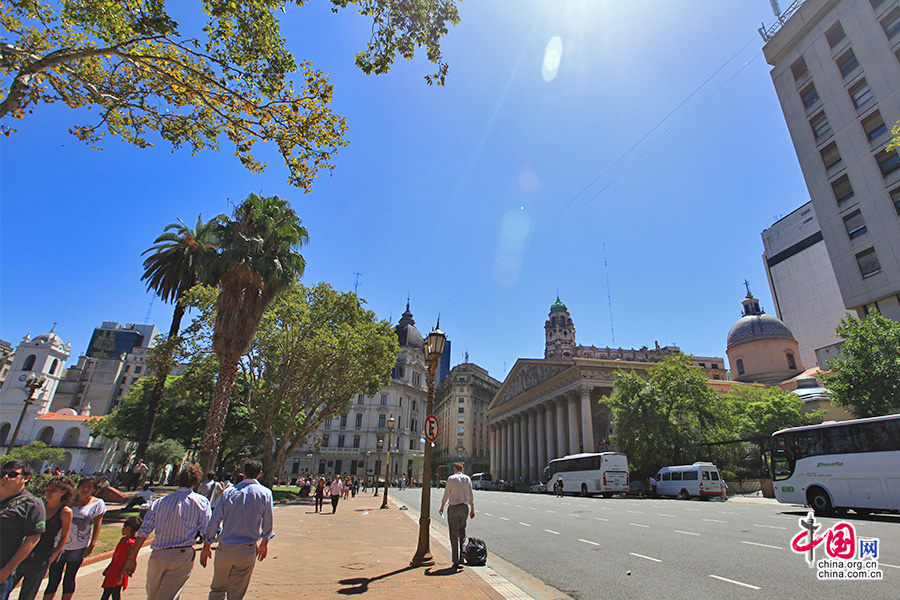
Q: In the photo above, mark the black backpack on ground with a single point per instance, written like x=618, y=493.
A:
x=475, y=552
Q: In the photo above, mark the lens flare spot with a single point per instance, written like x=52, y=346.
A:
x=552, y=57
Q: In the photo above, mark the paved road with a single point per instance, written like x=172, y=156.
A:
x=673, y=549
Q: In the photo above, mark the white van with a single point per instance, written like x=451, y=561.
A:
x=699, y=480
x=482, y=481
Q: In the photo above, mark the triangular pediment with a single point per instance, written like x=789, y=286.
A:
x=527, y=374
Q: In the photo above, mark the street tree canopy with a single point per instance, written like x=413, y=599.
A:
x=866, y=380
x=146, y=76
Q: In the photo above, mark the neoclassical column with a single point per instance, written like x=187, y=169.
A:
x=492, y=433
x=587, y=426
x=533, y=466
x=573, y=426
x=504, y=449
x=514, y=449
x=560, y=427
x=541, y=439
x=550, y=423
x=523, y=446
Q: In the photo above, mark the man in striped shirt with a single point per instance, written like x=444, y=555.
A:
x=176, y=519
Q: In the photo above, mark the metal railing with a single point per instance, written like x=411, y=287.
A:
x=768, y=34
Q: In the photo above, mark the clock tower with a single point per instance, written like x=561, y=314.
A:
x=559, y=332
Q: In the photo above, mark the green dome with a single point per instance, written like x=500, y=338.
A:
x=558, y=306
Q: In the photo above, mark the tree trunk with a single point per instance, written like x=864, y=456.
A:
x=218, y=410
x=160, y=386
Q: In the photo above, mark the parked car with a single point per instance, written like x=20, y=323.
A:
x=637, y=488
x=538, y=488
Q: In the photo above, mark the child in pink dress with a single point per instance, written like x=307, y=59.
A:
x=115, y=579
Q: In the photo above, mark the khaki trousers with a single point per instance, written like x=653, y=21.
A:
x=168, y=570
x=457, y=515
x=232, y=570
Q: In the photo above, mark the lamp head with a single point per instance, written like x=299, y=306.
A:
x=390, y=423
x=434, y=344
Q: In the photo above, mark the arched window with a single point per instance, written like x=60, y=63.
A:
x=740, y=366
x=4, y=433
x=54, y=365
x=47, y=435
x=792, y=364
x=29, y=362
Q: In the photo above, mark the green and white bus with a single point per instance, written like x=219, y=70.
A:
x=839, y=465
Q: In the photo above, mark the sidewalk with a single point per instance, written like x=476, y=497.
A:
x=358, y=550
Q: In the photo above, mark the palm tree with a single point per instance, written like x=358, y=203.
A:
x=173, y=268
x=257, y=259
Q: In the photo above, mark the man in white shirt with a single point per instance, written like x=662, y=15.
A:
x=459, y=496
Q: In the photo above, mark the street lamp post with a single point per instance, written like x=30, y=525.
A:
x=378, y=470
x=309, y=466
x=434, y=347
x=32, y=384
x=387, y=466
x=366, y=470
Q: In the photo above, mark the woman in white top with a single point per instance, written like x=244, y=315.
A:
x=87, y=514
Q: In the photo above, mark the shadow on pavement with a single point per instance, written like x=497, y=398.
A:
x=451, y=570
x=361, y=584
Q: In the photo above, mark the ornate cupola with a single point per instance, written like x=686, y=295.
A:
x=559, y=332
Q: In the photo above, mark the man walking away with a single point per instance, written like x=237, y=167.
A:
x=245, y=516
x=176, y=518
x=458, y=494
x=22, y=521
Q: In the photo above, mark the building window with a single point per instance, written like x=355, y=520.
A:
x=359, y=420
x=340, y=441
x=835, y=34
x=462, y=409
x=459, y=431
x=792, y=363
x=891, y=23
x=895, y=198
x=860, y=93
x=325, y=441
x=53, y=366
x=821, y=128
x=137, y=370
x=842, y=189
x=360, y=399
x=461, y=420
x=412, y=425
x=855, y=224
x=740, y=366
x=29, y=362
x=798, y=69
x=461, y=400
x=874, y=126
x=868, y=263
x=888, y=162
x=830, y=155
x=381, y=420
x=328, y=422
x=384, y=399
x=343, y=420
x=847, y=63
x=356, y=441
x=127, y=367
x=809, y=95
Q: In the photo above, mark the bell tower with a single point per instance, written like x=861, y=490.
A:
x=559, y=332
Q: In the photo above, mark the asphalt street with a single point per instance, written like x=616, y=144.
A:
x=597, y=548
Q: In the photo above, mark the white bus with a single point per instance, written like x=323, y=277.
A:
x=839, y=465
x=587, y=474
x=482, y=481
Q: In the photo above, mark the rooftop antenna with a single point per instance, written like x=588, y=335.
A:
x=356, y=283
x=149, y=308
x=612, y=329
x=775, y=9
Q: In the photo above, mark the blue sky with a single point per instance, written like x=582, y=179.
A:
x=653, y=155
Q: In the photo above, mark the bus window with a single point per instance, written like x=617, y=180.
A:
x=667, y=476
x=838, y=440
x=807, y=443
x=705, y=475
x=676, y=476
x=782, y=467
x=715, y=476
x=692, y=475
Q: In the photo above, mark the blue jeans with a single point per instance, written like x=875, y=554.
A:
x=7, y=586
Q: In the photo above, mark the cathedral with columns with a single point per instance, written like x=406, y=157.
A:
x=549, y=407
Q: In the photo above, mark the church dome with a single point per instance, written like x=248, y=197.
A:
x=558, y=306
x=47, y=338
x=407, y=334
x=752, y=328
x=756, y=325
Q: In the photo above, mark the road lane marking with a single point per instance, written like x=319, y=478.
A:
x=887, y=565
x=532, y=508
x=487, y=514
x=770, y=526
x=588, y=542
x=639, y=525
x=525, y=524
x=746, y=585
x=551, y=511
x=639, y=512
x=725, y=512
x=551, y=531
x=685, y=532
x=763, y=545
x=665, y=515
x=714, y=521
x=601, y=519
x=645, y=557
x=517, y=506
x=693, y=509
x=573, y=515
x=604, y=508
x=504, y=519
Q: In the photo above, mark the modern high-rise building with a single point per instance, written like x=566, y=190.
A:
x=802, y=282
x=836, y=70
